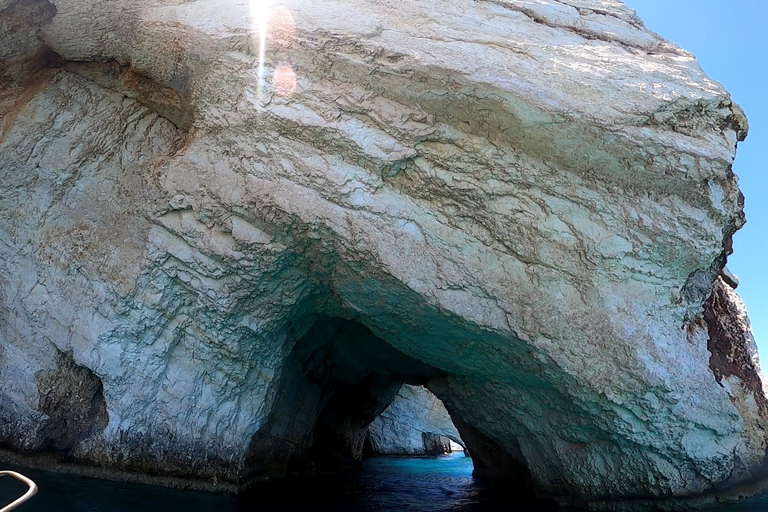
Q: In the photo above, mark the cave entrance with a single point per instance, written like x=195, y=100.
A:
x=338, y=380
x=415, y=423
x=358, y=375
x=334, y=386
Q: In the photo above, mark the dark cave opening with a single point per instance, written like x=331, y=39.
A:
x=359, y=375
x=368, y=450
x=338, y=379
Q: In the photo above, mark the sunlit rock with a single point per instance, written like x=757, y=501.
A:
x=245, y=226
x=415, y=423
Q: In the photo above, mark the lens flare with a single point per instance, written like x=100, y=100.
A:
x=259, y=18
x=284, y=81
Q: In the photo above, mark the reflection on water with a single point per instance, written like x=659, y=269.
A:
x=387, y=484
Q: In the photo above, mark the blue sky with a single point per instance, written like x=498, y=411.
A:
x=730, y=41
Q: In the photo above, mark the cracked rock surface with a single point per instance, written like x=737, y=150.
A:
x=527, y=202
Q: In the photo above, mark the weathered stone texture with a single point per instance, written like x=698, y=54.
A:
x=400, y=429
x=529, y=201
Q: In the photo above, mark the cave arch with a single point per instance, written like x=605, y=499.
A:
x=416, y=422
x=337, y=380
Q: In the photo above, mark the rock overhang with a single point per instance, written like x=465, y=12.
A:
x=521, y=207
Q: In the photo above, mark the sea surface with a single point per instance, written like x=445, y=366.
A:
x=387, y=484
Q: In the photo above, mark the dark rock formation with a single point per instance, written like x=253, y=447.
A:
x=72, y=407
x=72, y=398
x=435, y=444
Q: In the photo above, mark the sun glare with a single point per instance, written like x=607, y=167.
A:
x=279, y=24
x=259, y=18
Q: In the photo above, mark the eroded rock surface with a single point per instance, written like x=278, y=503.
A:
x=415, y=423
x=527, y=202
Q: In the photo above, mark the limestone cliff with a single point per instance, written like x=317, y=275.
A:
x=411, y=424
x=232, y=230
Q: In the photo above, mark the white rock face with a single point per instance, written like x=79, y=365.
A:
x=528, y=200
x=400, y=429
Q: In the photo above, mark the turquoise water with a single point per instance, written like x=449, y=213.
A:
x=387, y=484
